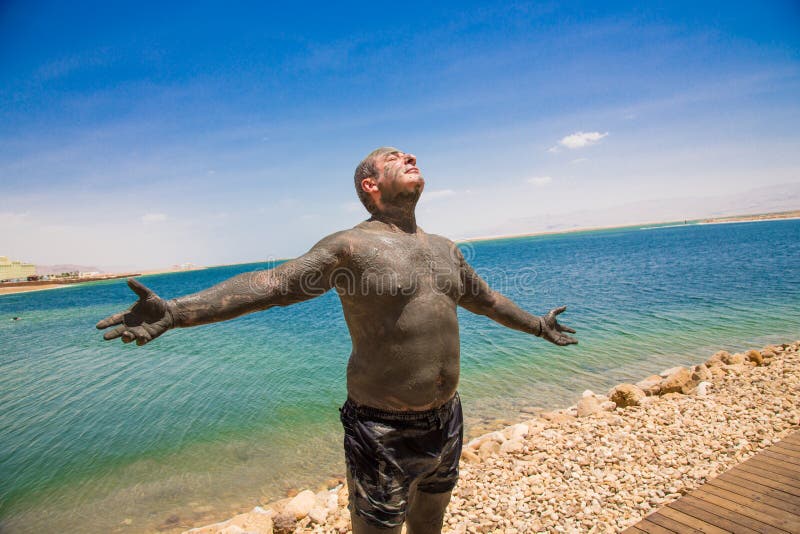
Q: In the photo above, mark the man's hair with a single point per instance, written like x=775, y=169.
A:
x=366, y=169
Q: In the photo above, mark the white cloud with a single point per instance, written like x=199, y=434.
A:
x=433, y=195
x=150, y=218
x=581, y=139
x=540, y=180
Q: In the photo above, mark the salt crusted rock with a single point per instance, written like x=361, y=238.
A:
x=587, y=406
x=680, y=381
x=650, y=385
x=300, y=505
x=701, y=373
x=625, y=395
x=755, y=357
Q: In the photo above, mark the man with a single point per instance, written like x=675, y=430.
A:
x=399, y=289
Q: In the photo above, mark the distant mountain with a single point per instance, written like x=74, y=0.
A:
x=784, y=197
x=65, y=268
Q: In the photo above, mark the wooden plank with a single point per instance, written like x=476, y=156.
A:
x=780, y=464
x=733, y=511
x=702, y=512
x=758, y=510
x=669, y=524
x=652, y=528
x=781, y=456
x=762, y=470
x=787, y=444
x=633, y=530
x=792, y=438
x=757, y=492
x=697, y=525
x=767, y=469
x=786, y=451
x=744, y=477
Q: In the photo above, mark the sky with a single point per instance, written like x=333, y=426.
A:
x=146, y=134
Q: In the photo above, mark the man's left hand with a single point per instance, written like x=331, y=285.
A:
x=553, y=332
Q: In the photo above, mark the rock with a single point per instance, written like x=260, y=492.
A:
x=736, y=359
x=284, y=523
x=608, y=406
x=343, y=496
x=668, y=372
x=587, y=406
x=680, y=381
x=557, y=417
x=512, y=445
x=755, y=357
x=232, y=529
x=701, y=373
x=650, y=385
x=520, y=430
x=300, y=505
x=318, y=515
x=488, y=448
x=703, y=387
x=468, y=455
x=587, y=393
x=719, y=358
x=625, y=395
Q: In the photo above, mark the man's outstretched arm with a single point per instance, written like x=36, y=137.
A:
x=479, y=298
x=296, y=280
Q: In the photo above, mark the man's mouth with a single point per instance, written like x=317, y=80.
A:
x=412, y=170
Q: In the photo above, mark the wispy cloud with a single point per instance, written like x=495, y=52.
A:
x=150, y=218
x=540, y=180
x=580, y=139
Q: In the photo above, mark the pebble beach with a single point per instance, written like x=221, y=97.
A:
x=600, y=465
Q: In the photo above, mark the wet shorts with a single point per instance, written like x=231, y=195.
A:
x=389, y=455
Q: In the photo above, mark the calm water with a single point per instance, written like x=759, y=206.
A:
x=209, y=420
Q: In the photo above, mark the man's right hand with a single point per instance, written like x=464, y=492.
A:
x=144, y=321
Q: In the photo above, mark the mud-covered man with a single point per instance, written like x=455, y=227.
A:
x=399, y=289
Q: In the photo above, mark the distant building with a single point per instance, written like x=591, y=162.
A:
x=10, y=270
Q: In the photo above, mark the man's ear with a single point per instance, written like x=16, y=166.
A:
x=369, y=185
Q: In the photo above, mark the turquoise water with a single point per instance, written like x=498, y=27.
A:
x=210, y=420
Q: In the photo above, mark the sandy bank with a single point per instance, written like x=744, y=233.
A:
x=26, y=289
x=597, y=466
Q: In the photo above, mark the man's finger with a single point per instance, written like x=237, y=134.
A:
x=114, y=334
x=558, y=310
x=127, y=336
x=567, y=340
x=110, y=321
x=567, y=329
x=139, y=288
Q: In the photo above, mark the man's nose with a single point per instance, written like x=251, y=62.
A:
x=411, y=158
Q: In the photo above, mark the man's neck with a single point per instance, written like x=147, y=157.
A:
x=401, y=218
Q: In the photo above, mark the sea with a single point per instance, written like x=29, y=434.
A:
x=209, y=421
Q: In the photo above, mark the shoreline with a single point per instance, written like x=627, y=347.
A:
x=601, y=464
x=758, y=217
x=761, y=217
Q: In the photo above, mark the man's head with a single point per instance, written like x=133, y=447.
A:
x=388, y=176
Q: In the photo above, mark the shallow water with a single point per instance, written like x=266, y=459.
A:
x=210, y=420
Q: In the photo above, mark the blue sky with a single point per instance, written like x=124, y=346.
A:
x=134, y=134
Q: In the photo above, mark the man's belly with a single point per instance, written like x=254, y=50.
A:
x=406, y=362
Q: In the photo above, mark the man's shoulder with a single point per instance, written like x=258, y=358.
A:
x=442, y=241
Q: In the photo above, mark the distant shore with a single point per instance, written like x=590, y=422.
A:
x=795, y=214
x=41, y=285
x=784, y=215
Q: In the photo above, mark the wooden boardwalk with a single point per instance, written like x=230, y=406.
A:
x=760, y=495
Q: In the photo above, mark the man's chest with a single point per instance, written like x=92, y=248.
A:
x=405, y=266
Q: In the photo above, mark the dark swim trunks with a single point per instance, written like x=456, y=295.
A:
x=392, y=454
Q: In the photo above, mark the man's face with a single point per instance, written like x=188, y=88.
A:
x=398, y=176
